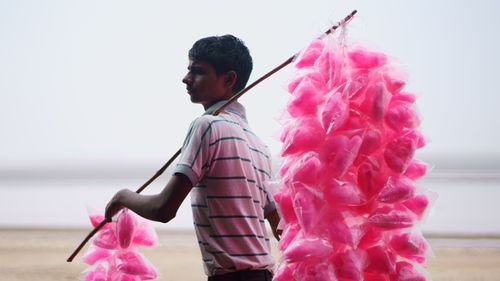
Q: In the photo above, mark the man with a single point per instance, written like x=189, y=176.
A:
x=225, y=167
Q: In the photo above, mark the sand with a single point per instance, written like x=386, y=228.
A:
x=40, y=255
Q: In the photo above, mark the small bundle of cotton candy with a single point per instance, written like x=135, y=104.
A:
x=114, y=256
x=348, y=198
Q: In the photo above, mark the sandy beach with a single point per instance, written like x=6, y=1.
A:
x=40, y=255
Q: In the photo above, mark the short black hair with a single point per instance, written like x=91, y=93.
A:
x=225, y=53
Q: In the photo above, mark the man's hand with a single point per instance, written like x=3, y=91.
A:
x=161, y=207
x=274, y=218
x=115, y=204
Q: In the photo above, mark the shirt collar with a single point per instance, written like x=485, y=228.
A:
x=235, y=107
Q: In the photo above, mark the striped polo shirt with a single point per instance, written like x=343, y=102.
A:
x=229, y=167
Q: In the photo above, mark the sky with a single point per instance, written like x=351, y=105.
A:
x=91, y=94
x=98, y=83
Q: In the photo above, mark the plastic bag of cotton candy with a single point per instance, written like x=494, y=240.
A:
x=349, y=199
x=113, y=255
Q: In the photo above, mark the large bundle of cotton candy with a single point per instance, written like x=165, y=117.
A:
x=348, y=199
x=114, y=256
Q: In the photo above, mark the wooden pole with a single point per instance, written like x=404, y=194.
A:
x=216, y=112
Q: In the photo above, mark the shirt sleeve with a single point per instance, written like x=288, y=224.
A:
x=195, y=153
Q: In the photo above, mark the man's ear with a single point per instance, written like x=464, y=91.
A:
x=231, y=78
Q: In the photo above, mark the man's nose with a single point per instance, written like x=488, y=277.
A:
x=187, y=79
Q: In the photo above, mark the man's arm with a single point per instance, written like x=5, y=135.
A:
x=274, y=219
x=161, y=207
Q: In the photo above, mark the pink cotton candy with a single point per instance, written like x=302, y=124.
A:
x=100, y=273
x=307, y=249
x=288, y=235
x=134, y=264
x=348, y=194
x=417, y=137
x=307, y=169
x=391, y=218
x=342, y=232
x=417, y=205
x=401, y=116
x=125, y=228
x=405, y=271
x=305, y=98
x=376, y=277
x=362, y=58
x=410, y=245
x=404, y=97
x=416, y=169
x=314, y=77
x=356, y=85
x=371, y=236
x=380, y=260
x=106, y=239
x=399, y=153
x=370, y=178
x=96, y=219
x=306, y=204
x=394, y=81
x=128, y=277
x=343, y=194
x=371, y=142
x=329, y=65
x=144, y=236
x=114, y=256
x=315, y=271
x=95, y=254
x=376, y=101
x=335, y=113
x=285, y=204
x=284, y=273
x=304, y=136
x=340, y=151
x=310, y=54
x=350, y=264
x=396, y=189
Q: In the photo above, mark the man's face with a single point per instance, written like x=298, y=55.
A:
x=203, y=84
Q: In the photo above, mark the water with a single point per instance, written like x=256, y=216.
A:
x=467, y=205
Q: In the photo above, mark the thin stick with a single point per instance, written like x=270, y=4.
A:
x=216, y=112
x=102, y=223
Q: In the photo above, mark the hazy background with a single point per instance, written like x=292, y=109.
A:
x=91, y=98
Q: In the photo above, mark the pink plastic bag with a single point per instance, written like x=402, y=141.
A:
x=362, y=58
x=380, y=260
x=417, y=205
x=392, y=218
x=340, y=151
x=125, y=228
x=285, y=205
x=399, y=153
x=106, y=239
x=307, y=249
x=315, y=271
x=416, y=169
x=410, y=245
x=350, y=264
x=396, y=189
x=343, y=193
x=310, y=54
x=334, y=113
x=376, y=101
x=305, y=135
x=134, y=264
x=407, y=272
x=305, y=98
x=95, y=254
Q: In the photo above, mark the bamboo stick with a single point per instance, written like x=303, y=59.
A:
x=216, y=112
